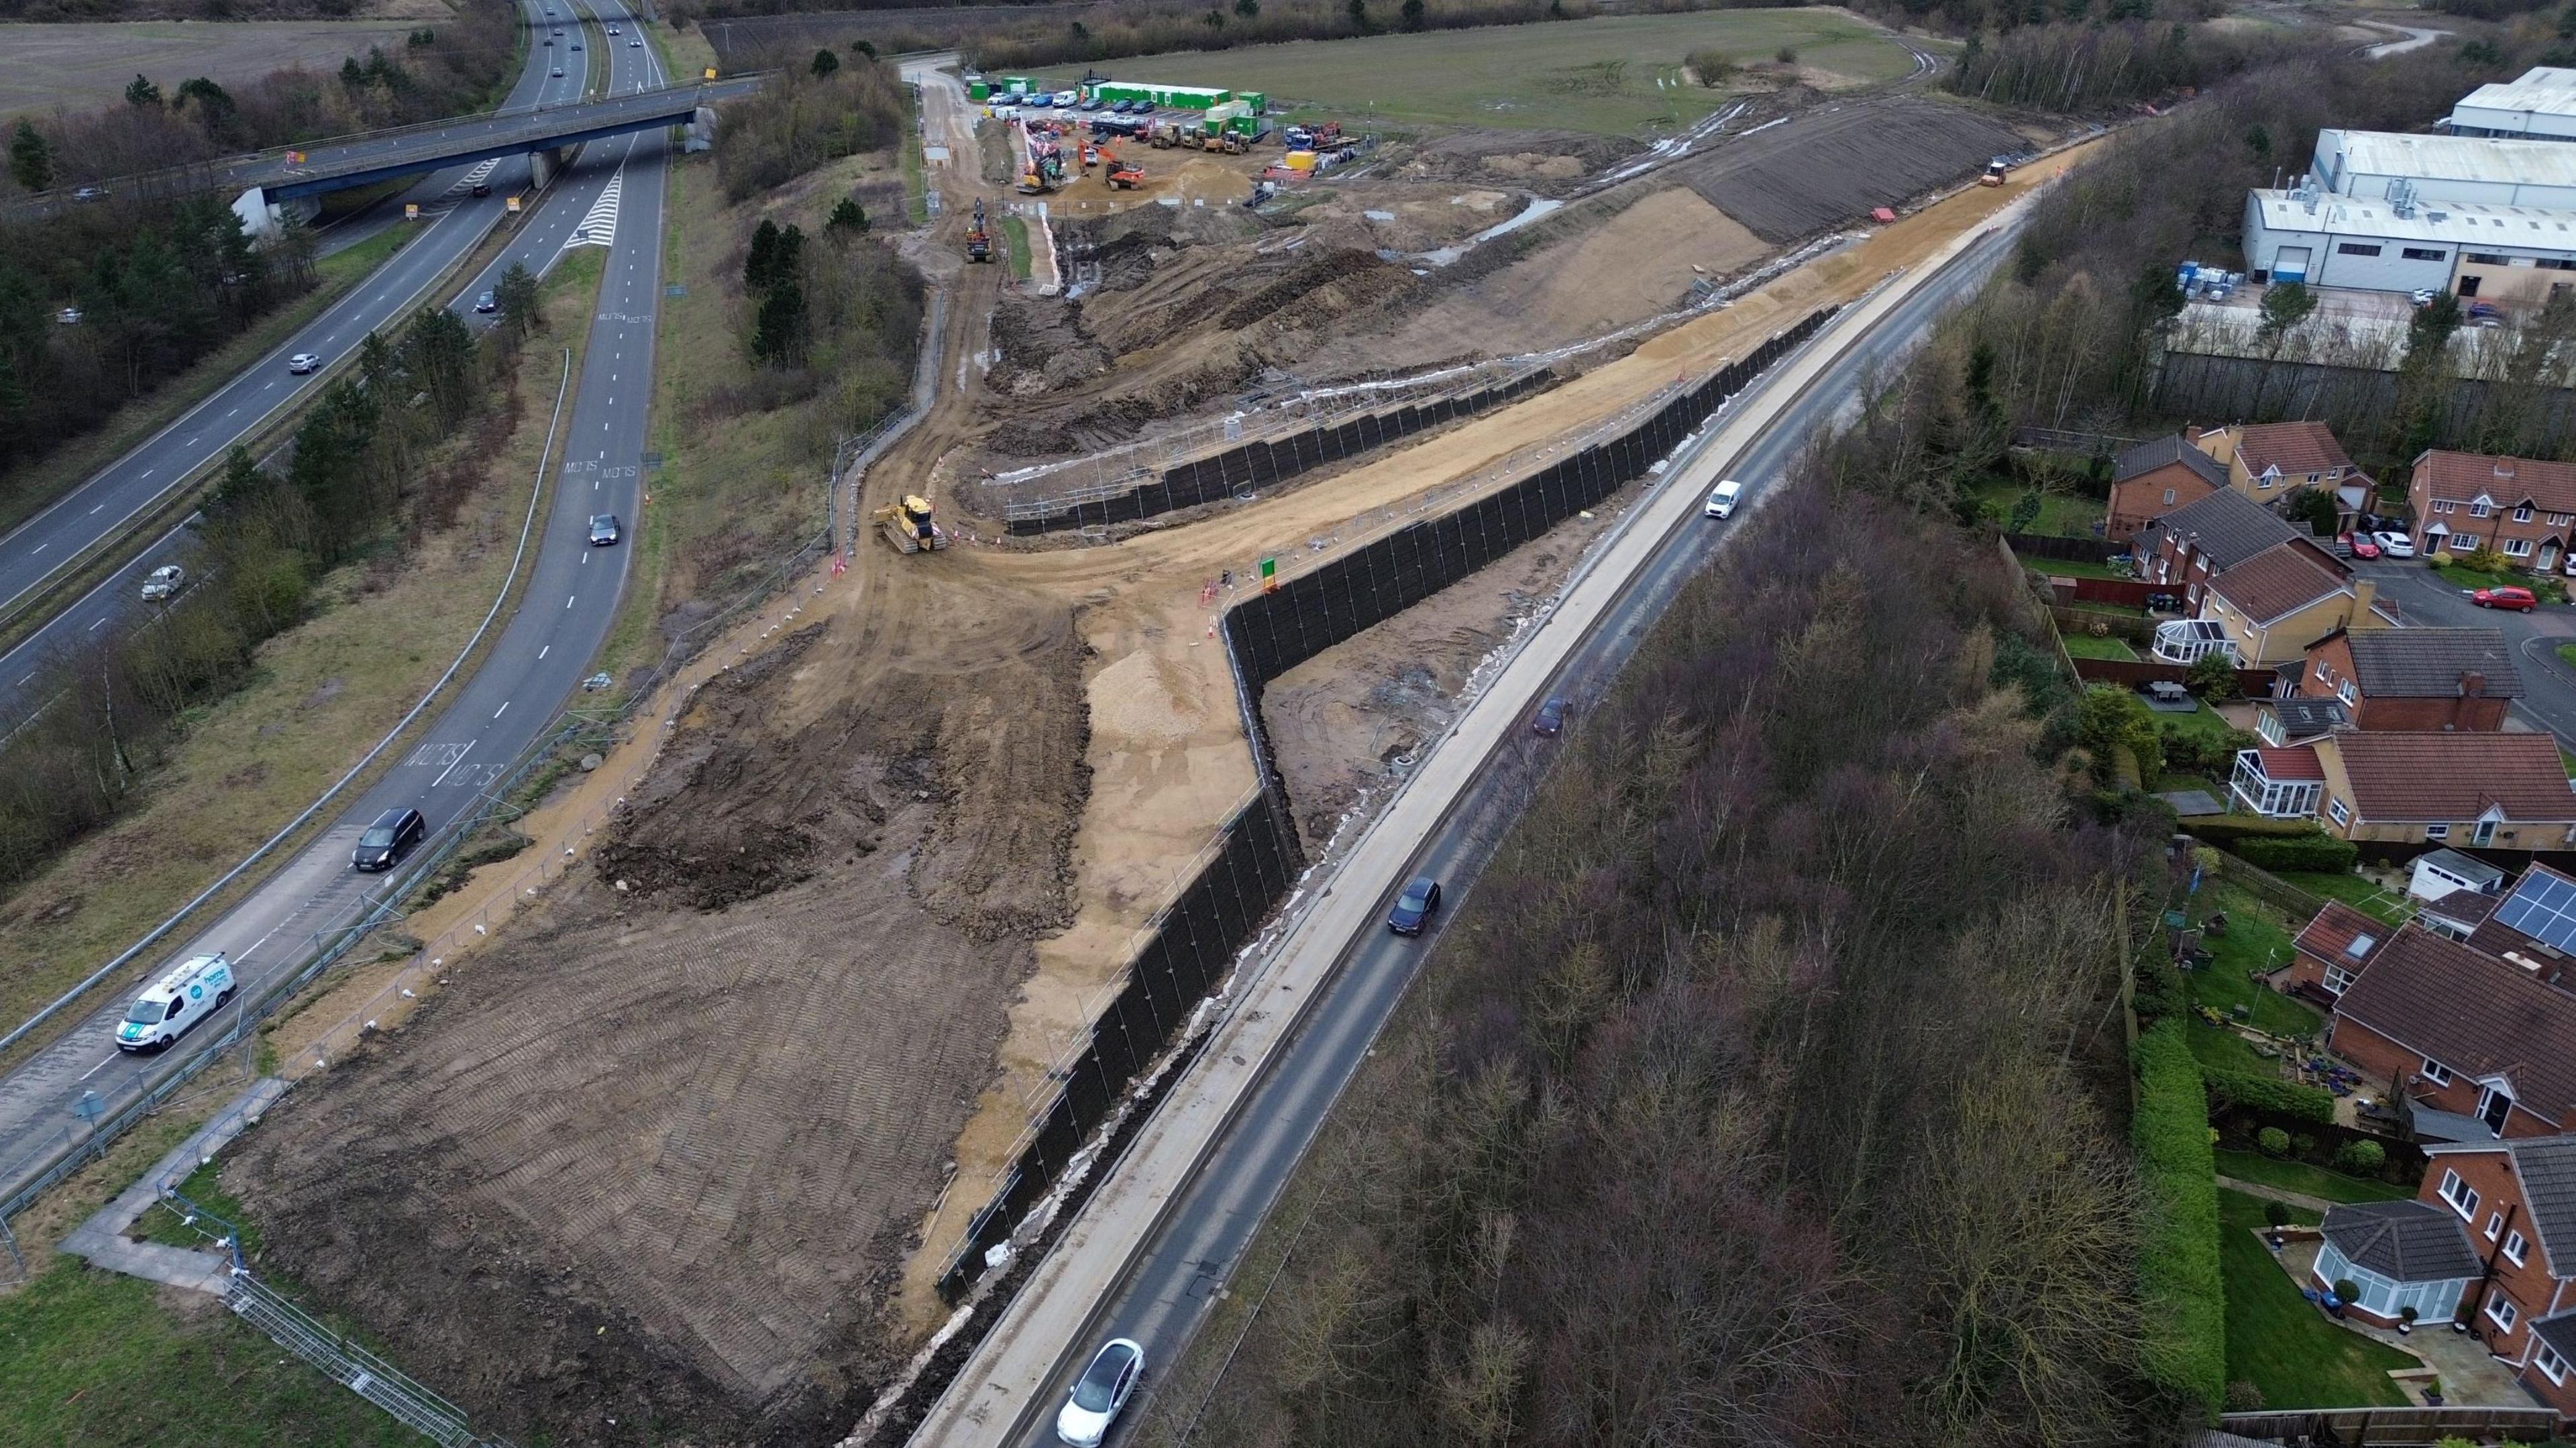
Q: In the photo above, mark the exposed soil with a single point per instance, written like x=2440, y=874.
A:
x=1346, y=722
x=1831, y=164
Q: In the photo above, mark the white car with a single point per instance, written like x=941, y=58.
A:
x=1099, y=1393
x=2394, y=545
x=303, y=362
x=1723, y=498
x=164, y=583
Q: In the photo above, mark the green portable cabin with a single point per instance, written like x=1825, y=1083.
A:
x=979, y=90
x=1170, y=97
x=1018, y=85
x=1251, y=128
x=1255, y=102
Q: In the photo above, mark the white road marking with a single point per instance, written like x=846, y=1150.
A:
x=568, y=598
x=93, y=628
x=504, y=709
x=95, y=511
x=451, y=765
x=101, y=1066
x=147, y=472
x=541, y=653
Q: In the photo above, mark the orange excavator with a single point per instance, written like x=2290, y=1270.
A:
x=1121, y=174
x=979, y=239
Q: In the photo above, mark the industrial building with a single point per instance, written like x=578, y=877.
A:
x=2474, y=249
x=2392, y=166
x=2538, y=105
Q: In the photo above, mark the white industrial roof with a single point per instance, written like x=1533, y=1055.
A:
x=2539, y=98
x=2456, y=158
x=2466, y=223
x=2557, y=75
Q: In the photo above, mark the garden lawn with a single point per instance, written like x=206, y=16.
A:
x=2352, y=890
x=2256, y=940
x=2202, y=723
x=2280, y=1344
x=2298, y=1176
x=2085, y=646
x=2061, y=515
x=2461, y=575
x=2070, y=568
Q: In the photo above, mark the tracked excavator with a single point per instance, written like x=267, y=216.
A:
x=1120, y=174
x=979, y=239
x=907, y=526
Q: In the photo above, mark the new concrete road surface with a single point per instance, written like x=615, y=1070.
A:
x=454, y=223
x=1149, y=1253
x=511, y=701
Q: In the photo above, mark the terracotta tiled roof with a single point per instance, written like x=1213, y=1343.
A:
x=2296, y=448
x=2330, y=936
x=2277, y=581
x=2298, y=761
x=2408, y=777
x=2461, y=477
x=2430, y=663
x=2477, y=1015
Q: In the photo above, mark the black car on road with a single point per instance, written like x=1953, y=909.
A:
x=389, y=839
x=1415, y=907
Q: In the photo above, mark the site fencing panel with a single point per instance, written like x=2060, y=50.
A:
x=1189, y=947
x=1294, y=442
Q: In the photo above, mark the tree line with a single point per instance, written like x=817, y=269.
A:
x=807, y=114
x=102, y=303
x=384, y=457
x=1770, y=1087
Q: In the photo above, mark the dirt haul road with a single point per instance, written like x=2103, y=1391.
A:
x=658, y=1157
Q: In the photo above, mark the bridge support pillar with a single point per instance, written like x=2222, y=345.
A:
x=542, y=166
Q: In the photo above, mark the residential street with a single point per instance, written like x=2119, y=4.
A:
x=2420, y=597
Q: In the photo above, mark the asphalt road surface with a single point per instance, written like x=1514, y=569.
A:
x=453, y=223
x=1193, y=1253
x=539, y=658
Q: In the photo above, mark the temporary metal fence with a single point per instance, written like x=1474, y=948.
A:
x=1235, y=456
x=1189, y=946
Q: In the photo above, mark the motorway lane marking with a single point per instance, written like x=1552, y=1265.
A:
x=93, y=628
x=100, y=506
x=541, y=653
x=568, y=598
x=101, y=1066
x=39, y=548
x=504, y=709
x=147, y=472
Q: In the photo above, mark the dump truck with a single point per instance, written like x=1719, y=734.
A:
x=907, y=525
x=979, y=238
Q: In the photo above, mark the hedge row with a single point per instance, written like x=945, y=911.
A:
x=2229, y=828
x=2181, y=1294
x=2270, y=1095
x=2319, y=852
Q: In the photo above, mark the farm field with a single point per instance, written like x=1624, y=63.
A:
x=1618, y=75
x=80, y=65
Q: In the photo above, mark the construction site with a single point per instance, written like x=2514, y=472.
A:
x=684, y=1152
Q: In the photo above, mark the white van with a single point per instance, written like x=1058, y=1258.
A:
x=1721, y=499
x=176, y=1003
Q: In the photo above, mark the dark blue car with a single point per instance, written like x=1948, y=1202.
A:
x=1414, y=908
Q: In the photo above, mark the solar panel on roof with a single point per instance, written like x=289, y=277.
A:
x=2544, y=908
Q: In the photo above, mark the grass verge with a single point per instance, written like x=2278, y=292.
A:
x=385, y=627
x=2311, y=1181
x=1018, y=232
x=2461, y=575
x=2280, y=1344
x=1614, y=75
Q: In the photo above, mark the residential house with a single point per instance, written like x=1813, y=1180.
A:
x=2524, y=508
x=2533, y=925
x=2299, y=720
x=2506, y=791
x=2276, y=603
x=2331, y=951
x=2156, y=477
x=2269, y=461
x=2396, y=1256
x=2186, y=548
x=2515, y=1202
x=2477, y=1047
x=2415, y=678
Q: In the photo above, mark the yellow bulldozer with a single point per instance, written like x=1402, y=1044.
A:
x=907, y=525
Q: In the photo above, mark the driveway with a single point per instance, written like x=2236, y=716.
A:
x=2421, y=599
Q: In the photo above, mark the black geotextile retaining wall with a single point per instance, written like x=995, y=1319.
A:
x=1259, y=464
x=1192, y=944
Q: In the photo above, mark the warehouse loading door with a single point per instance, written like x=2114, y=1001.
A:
x=2291, y=265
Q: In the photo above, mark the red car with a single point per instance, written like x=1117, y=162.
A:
x=2519, y=599
x=2361, y=545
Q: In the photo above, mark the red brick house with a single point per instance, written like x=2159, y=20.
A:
x=2416, y=679
x=2516, y=1201
x=2156, y=477
x=2506, y=791
x=2188, y=547
x=2331, y=951
x=2478, y=1046
x=2524, y=508
x=2271, y=460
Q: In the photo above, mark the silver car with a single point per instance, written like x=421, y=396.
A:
x=603, y=529
x=1099, y=1393
x=164, y=583
x=304, y=362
